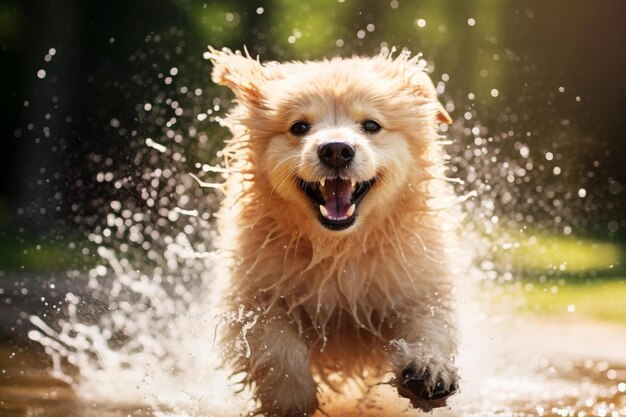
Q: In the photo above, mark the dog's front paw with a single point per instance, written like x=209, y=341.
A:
x=428, y=385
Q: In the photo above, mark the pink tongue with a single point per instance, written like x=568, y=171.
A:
x=337, y=194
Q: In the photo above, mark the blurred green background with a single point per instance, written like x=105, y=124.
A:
x=536, y=89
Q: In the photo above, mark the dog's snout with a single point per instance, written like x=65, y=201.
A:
x=336, y=154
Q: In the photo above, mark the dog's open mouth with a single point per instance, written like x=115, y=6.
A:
x=336, y=200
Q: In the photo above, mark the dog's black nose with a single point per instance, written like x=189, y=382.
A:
x=336, y=154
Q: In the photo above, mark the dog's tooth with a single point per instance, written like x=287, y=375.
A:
x=322, y=182
x=324, y=211
x=351, y=210
x=352, y=182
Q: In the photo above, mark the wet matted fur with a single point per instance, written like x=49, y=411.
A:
x=339, y=259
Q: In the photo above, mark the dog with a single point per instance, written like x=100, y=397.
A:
x=334, y=225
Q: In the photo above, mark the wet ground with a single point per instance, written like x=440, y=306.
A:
x=521, y=366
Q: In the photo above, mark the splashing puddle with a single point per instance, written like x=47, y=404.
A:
x=520, y=366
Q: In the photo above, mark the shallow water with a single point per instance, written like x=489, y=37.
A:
x=519, y=366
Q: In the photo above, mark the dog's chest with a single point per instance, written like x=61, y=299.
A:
x=363, y=293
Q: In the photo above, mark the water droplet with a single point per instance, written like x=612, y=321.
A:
x=524, y=151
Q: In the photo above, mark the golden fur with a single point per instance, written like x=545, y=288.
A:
x=314, y=302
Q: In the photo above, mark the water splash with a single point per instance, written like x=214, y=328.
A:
x=141, y=327
x=157, y=340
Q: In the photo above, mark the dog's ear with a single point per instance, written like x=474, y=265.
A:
x=423, y=86
x=242, y=74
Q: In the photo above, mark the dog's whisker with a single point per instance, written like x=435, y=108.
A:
x=285, y=160
x=289, y=175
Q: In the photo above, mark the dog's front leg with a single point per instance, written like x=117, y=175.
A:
x=422, y=355
x=278, y=365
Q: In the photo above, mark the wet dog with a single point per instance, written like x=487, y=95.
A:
x=335, y=224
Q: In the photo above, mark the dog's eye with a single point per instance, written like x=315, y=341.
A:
x=370, y=126
x=299, y=128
